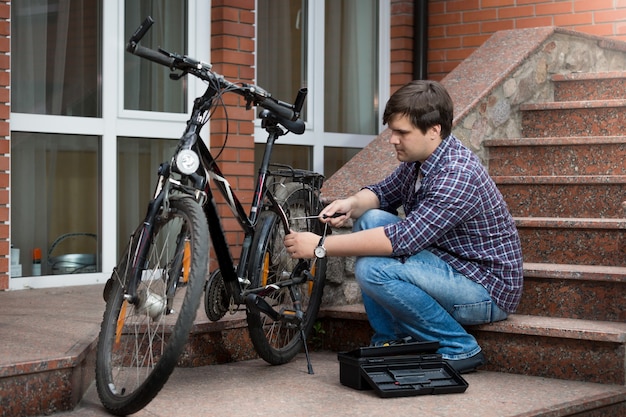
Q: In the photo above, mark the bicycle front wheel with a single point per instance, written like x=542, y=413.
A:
x=279, y=341
x=140, y=342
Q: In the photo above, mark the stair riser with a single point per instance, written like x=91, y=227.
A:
x=590, y=89
x=557, y=200
x=550, y=357
x=215, y=347
x=47, y=389
x=576, y=299
x=605, y=159
x=573, y=246
x=605, y=121
x=553, y=357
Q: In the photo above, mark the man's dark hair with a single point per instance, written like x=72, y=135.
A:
x=425, y=102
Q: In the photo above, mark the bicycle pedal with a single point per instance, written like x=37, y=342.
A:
x=291, y=316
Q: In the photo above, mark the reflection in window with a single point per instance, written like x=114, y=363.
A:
x=48, y=173
x=57, y=67
x=282, y=47
x=147, y=85
x=335, y=158
x=351, y=66
x=138, y=162
x=296, y=156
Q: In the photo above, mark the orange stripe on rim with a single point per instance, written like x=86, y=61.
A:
x=186, y=261
x=120, y=322
x=266, y=269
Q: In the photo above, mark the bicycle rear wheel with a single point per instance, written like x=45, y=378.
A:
x=139, y=343
x=277, y=342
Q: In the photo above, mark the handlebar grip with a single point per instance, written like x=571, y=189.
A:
x=279, y=110
x=153, y=56
x=297, y=105
x=141, y=30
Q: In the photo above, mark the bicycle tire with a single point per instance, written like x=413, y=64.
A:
x=278, y=342
x=139, y=345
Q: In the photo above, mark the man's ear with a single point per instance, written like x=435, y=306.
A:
x=437, y=130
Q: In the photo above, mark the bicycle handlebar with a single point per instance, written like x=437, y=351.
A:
x=288, y=114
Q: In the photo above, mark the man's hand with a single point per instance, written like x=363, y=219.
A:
x=301, y=245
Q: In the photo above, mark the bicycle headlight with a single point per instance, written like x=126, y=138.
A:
x=187, y=161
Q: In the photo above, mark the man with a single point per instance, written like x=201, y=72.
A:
x=454, y=259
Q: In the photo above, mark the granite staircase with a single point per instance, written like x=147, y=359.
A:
x=564, y=181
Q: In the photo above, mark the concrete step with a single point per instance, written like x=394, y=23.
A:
x=587, y=155
x=576, y=241
x=586, y=292
x=592, y=86
x=580, y=350
x=574, y=118
x=588, y=196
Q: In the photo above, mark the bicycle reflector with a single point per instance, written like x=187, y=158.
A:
x=187, y=161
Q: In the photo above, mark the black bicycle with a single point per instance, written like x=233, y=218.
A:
x=155, y=290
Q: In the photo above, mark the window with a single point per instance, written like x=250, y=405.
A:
x=57, y=68
x=90, y=124
x=46, y=171
x=342, y=66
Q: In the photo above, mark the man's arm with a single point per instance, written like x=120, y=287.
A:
x=363, y=243
x=370, y=242
x=353, y=207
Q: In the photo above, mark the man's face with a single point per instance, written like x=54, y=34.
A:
x=410, y=143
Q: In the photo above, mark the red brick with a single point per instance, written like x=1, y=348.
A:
x=469, y=41
x=444, y=43
x=462, y=5
x=496, y=3
x=591, y=5
x=560, y=7
x=515, y=12
x=574, y=19
x=463, y=29
x=480, y=16
x=445, y=19
x=598, y=30
x=610, y=16
x=492, y=27
x=533, y=22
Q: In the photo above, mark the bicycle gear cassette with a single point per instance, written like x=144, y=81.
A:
x=216, y=298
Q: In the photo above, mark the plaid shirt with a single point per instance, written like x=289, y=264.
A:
x=459, y=215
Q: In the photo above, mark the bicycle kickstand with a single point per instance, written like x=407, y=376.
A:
x=306, y=352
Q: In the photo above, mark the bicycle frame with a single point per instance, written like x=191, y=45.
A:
x=233, y=277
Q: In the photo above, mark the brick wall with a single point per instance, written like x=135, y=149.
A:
x=5, y=49
x=458, y=27
x=232, y=55
x=401, y=42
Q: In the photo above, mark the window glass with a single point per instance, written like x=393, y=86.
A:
x=335, y=158
x=351, y=69
x=55, y=201
x=138, y=162
x=147, y=85
x=57, y=69
x=282, y=47
x=295, y=156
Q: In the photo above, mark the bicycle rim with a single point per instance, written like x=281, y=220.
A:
x=139, y=344
x=278, y=342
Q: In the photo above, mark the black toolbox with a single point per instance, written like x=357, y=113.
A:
x=399, y=370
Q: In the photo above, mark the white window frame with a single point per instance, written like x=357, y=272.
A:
x=116, y=122
x=314, y=135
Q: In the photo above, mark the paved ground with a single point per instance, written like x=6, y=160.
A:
x=253, y=388
x=37, y=325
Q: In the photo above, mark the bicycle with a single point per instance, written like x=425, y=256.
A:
x=155, y=291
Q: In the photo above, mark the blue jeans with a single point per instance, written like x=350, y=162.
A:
x=422, y=297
